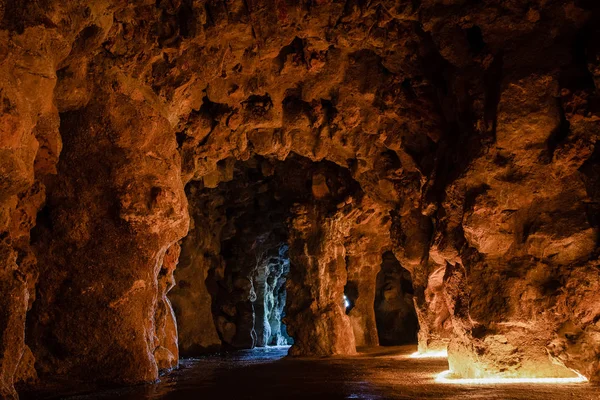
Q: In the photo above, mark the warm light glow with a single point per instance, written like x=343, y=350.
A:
x=430, y=354
x=444, y=377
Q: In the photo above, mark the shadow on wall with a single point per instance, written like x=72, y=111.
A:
x=394, y=308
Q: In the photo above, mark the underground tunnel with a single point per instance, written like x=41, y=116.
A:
x=343, y=199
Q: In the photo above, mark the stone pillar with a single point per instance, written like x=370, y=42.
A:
x=29, y=147
x=117, y=205
x=411, y=235
x=261, y=323
x=362, y=277
x=435, y=324
x=316, y=317
x=276, y=297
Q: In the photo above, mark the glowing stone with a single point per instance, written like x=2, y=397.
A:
x=445, y=377
x=430, y=354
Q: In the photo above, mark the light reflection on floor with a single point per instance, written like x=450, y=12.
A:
x=430, y=354
x=374, y=374
x=446, y=377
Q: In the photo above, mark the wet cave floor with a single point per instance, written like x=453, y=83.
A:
x=375, y=373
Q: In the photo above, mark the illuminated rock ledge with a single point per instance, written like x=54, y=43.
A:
x=446, y=377
x=430, y=354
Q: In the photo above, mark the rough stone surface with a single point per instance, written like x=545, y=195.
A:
x=166, y=353
x=118, y=200
x=316, y=316
x=270, y=280
x=472, y=126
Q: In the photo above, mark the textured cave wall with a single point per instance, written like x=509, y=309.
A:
x=530, y=228
x=166, y=353
x=475, y=122
x=29, y=148
x=316, y=316
x=366, y=238
x=116, y=206
x=435, y=322
x=269, y=280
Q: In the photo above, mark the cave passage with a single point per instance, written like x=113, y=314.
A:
x=252, y=239
x=217, y=184
x=235, y=263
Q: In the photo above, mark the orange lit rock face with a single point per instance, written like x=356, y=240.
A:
x=118, y=200
x=467, y=132
x=317, y=287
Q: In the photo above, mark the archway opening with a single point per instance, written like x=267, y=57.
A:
x=236, y=262
x=395, y=314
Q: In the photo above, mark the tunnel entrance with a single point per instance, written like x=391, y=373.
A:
x=395, y=314
x=232, y=287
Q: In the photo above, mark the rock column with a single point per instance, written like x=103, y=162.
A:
x=316, y=317
x=362, y=276
x=116, y=207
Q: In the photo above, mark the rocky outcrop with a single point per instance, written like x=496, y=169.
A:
x=270, y=281
x=316, y=316
x=118, y=200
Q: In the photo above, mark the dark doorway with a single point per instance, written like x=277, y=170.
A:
x=394, y=308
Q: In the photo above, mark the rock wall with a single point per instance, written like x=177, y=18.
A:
x=316, y=316
x=474, y=124
x=270, y=279
x=366, y=238
x=118, y=200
